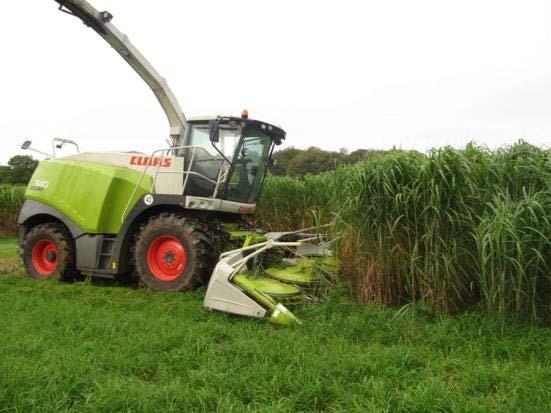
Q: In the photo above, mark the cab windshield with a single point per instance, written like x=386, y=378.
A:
x=249, y=167
x=226, y=146
x=242, y=151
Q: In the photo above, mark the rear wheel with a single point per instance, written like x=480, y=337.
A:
x=48, y=253
x=173, y=253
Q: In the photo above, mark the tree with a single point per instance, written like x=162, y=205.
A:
x=283, y=159
x=299, y=162
x=313, y=161
x=4, y=172
x=21, y=168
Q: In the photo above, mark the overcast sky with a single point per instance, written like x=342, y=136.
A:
x=355, y=74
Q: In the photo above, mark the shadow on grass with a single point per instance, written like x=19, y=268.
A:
x=13, y=265
x=132, y=283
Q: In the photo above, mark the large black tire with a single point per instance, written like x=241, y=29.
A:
x=48, y=253
x=173, y=253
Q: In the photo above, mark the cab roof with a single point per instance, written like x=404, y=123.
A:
x=201, y=119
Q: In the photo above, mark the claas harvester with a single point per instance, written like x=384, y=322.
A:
x=175, y=218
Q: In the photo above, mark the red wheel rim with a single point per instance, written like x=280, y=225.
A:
x=166, y=258
x=45, y=257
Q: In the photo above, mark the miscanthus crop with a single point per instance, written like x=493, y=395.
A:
x=454, y=229
x=11, y=199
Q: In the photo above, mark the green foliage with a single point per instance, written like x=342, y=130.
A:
x=514, y=250
x=88, y=348
x=4, y=173
x=19, y=171
x=454, y=229
x=300, y=162
x=11, y=200
x=288, y=203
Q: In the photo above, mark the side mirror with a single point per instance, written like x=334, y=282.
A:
x=27, y=146
x=214, y=130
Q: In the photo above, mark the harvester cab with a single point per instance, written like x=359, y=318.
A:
x=171, y=218
x=228, y=157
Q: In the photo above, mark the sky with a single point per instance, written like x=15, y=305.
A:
x=355, y=74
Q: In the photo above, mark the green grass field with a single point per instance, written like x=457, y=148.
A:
x=8, y=247
x=104, y=347
x=9, y=256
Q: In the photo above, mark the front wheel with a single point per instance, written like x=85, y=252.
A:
x=48, y=253
x=172, y=253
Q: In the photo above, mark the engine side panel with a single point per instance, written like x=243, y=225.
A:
x=91, y=195
x=169, y=179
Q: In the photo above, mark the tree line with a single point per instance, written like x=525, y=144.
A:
x=18, y=171
x=300, y=162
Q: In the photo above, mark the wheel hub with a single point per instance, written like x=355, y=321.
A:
x=166, y=258
x=169, y=257
x=51, y=256
x=44, y=256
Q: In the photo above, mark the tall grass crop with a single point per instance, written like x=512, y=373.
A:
x=289, y=203
x=453, y=228
x=11, y=200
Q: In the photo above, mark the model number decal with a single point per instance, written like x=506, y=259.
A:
x=39, y=185
x=148, y=161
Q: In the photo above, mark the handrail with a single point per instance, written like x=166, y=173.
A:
x=220, y=179
x=63, y=141
x=222, y=176
x=189, y=169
